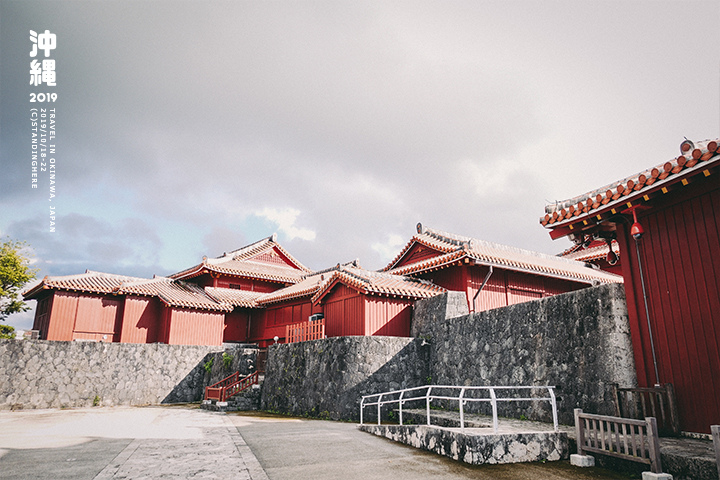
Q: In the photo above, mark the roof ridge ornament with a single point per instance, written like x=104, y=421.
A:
x=686, y=146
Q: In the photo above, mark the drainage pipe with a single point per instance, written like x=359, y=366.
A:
x=647, y=311
x=487, y=277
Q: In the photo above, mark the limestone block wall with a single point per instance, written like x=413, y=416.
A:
x=50, y=374
x=478, y=449
x=326, y=378
x=578, y=341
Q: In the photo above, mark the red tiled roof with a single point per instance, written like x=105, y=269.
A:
x=460, y=248
x=305, y=288
x=90, y=281
x=234, y=296
x=175, y=293
x=240, y=263
x=172, y=292
x=596, y=250
x=601, y=203
x=381, y=283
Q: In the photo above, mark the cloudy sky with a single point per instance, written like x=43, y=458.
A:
x=188, y=128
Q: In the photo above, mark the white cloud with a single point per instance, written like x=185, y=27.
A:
x=390, y=247
x=285, y=219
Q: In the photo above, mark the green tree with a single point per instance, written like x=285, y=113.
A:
x=15, y=272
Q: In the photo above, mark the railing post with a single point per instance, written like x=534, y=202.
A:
x=493, y=402
x=554, y=408
x=715, y=429
x=400, y=404
x=579, y=431
x=672, y=407
x=362, y=407
x=616, y=396
x=379, y=407
x=427, y=403
x=462, y=412
x=653, y=445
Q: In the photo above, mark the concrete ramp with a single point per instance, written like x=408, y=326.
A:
x=478, y=446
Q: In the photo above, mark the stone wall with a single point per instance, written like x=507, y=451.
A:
x=478, y=449
x=49, y=374
x=326, y=378
x=578, y=341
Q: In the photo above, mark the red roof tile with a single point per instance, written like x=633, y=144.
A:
x=305, y=288
x=244, y=262
x=172, y=292
x=90, y=281
x=596, y=250
x=234, y=296
x=381, y=283
x=480, y=252
x=592, y=206
x=175, y=293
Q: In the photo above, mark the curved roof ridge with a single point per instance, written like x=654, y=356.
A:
x=695, y=158
x=552, y=207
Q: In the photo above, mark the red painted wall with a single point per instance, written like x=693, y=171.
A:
x=96, y=318
x=503, y=288
x=192, y=327
x=81, y=316
x=248, y=284
x=42, y=315
x=140, y=320
x=387, y=316
x=271, y=322
x=680, y=255
x=62, y=316
x=417, y=253
x=344, y=312
x=235, y=326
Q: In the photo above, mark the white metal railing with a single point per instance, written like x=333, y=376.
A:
x=399, y=397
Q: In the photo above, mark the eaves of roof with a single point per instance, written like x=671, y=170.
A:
x=88, y=282
x=478, y=252
x=239, y=263
x=594, y=251
x=593, y=207
x=378, y=283
x=306, y=287
x=175, y=293
x=234, y=297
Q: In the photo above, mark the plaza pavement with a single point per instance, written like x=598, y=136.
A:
x=186, y=442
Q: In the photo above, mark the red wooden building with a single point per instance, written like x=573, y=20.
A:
x=113, y=308
x=491, y=275
x=667, y=224
x=207, y=304
x=261, y=292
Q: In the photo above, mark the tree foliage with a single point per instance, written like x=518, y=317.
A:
x=6, y=331
x=15, y=272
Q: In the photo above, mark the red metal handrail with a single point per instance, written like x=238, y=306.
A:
x=232, y=385
x=304, y=331
x=226, y=381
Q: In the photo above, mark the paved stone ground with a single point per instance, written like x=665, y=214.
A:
x=123, y=443
x=303, y=449
x=186, y=442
